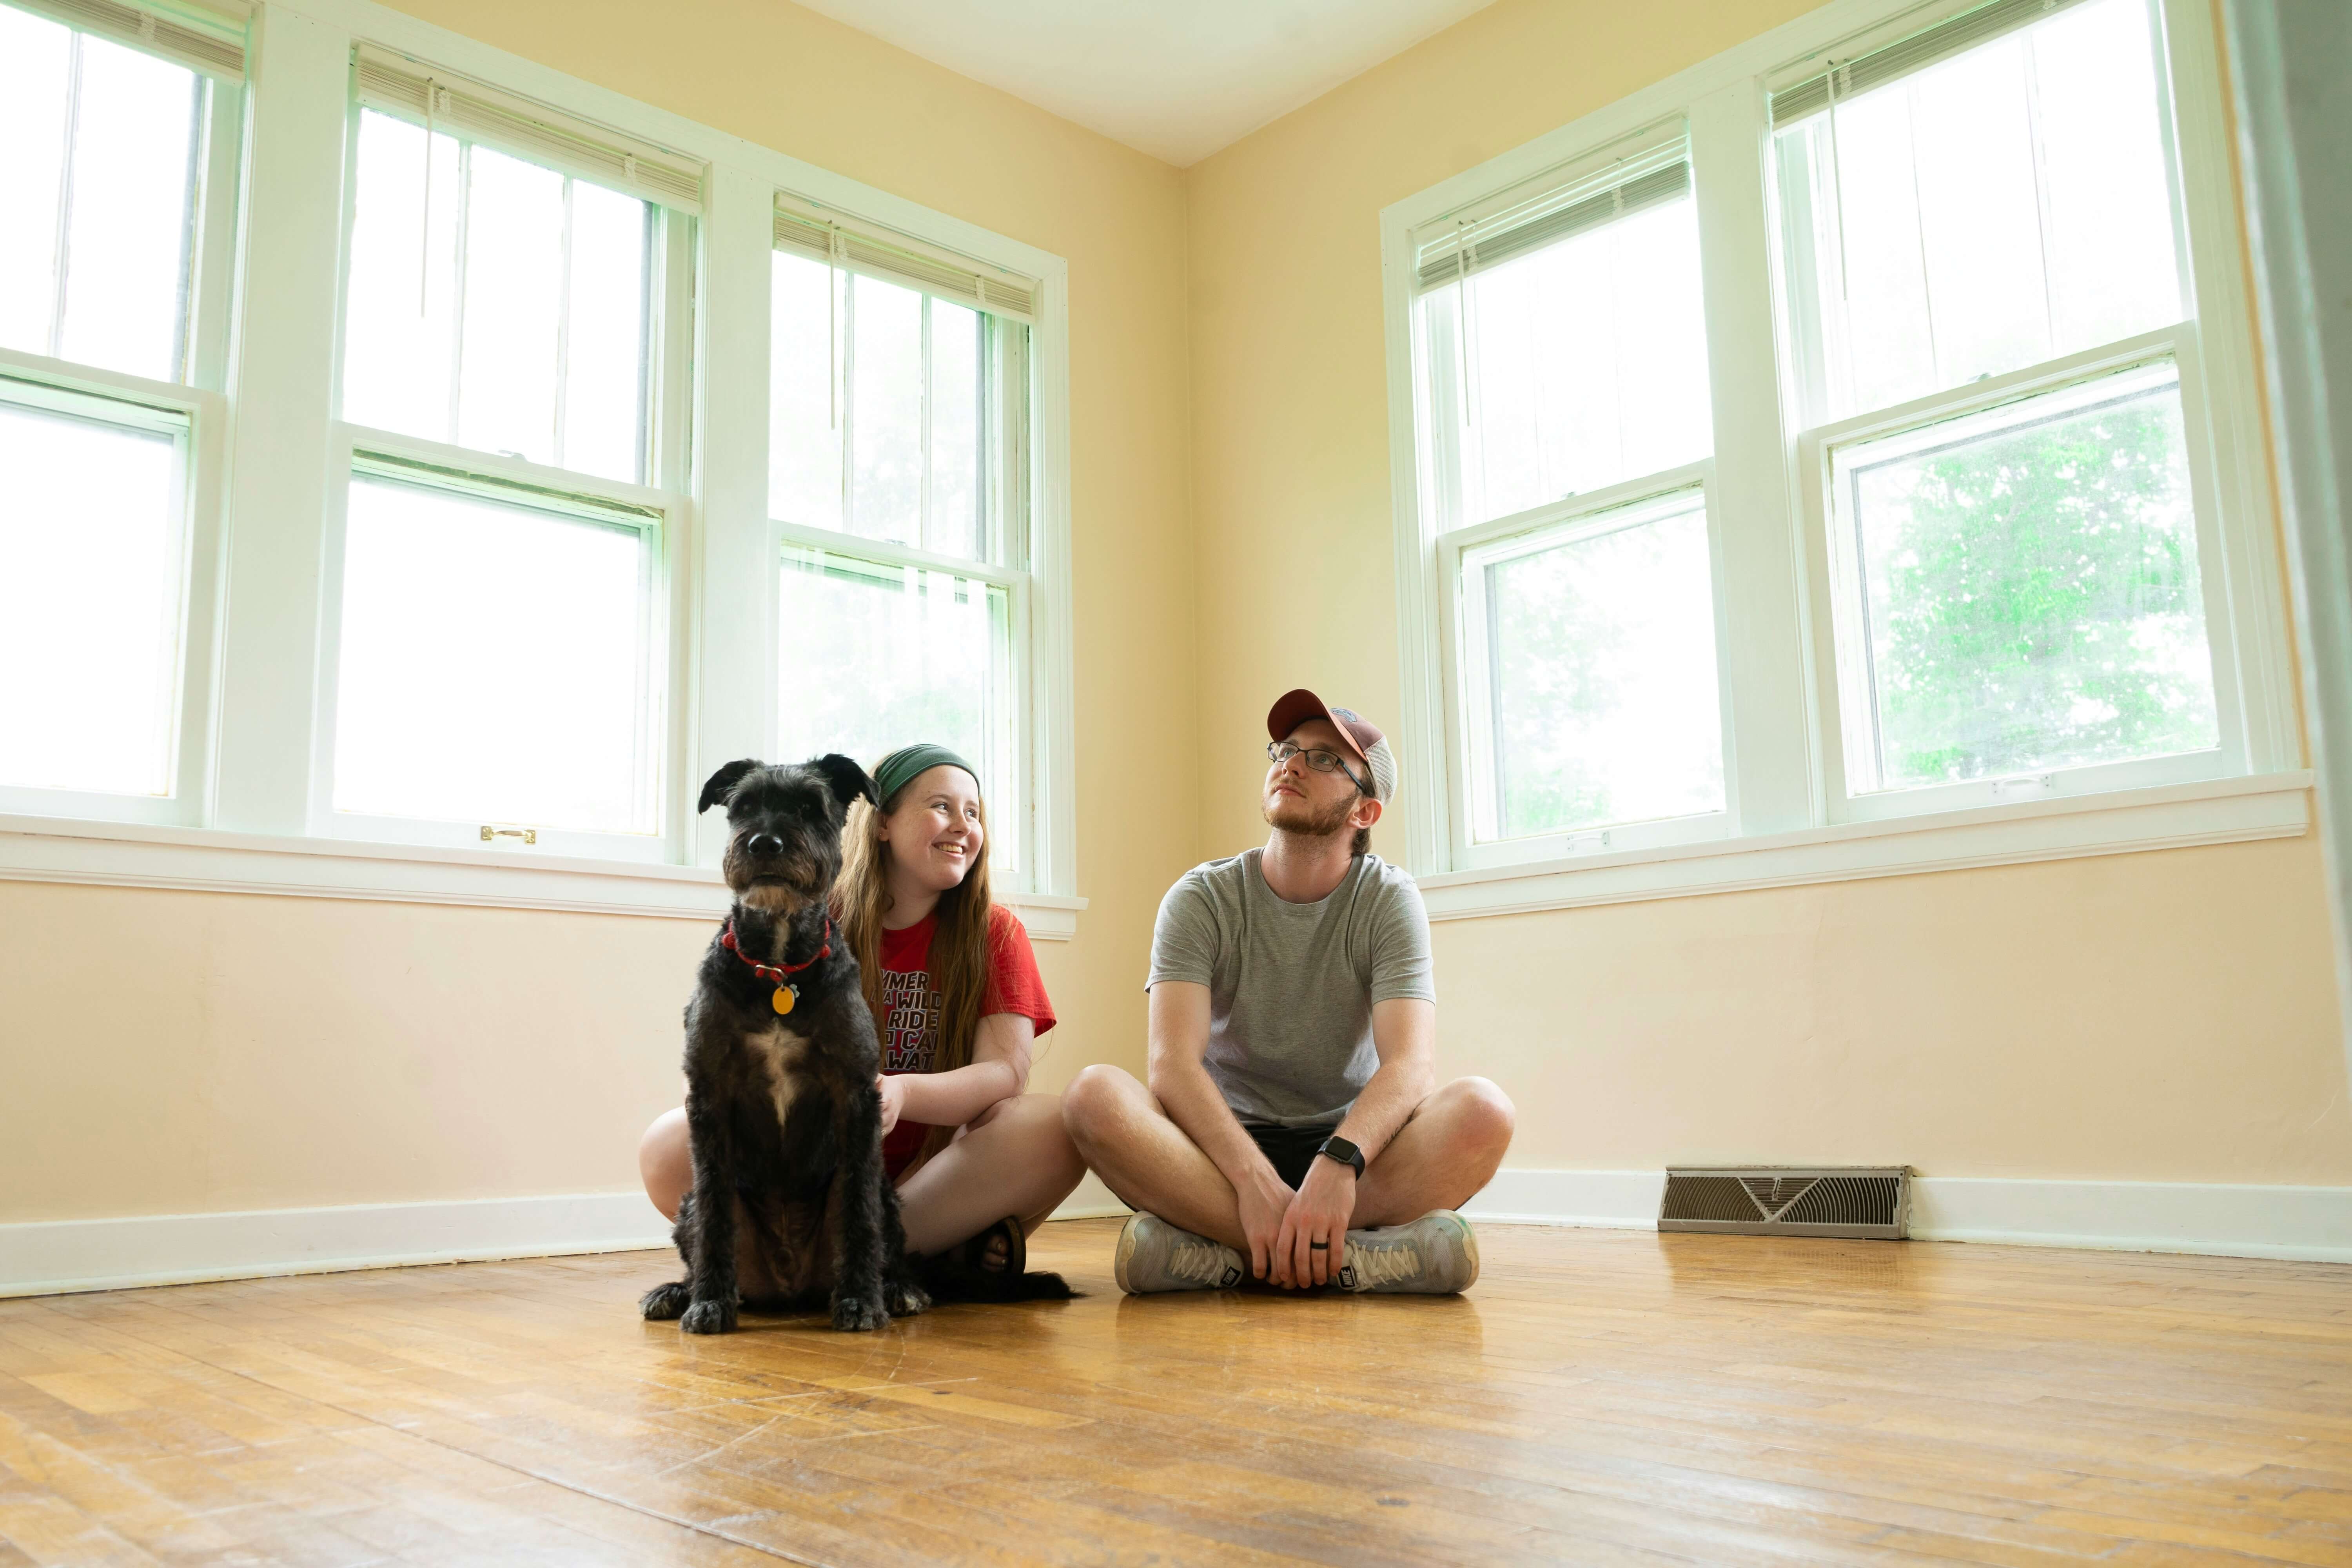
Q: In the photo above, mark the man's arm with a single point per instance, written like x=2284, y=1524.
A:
x=1404, y=1033
x=1179, y=1078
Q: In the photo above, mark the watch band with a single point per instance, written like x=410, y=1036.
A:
x=1337, y=1148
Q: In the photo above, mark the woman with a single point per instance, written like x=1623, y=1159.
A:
x=956, y=997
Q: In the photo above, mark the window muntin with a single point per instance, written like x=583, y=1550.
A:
x=101, y=182
x=905, y=654
x=500, y=659
x=1568, y=368
x=2009, y=204
x=497, y=304
x=1589, y=656
x=881, y=414
x=92, y=527
x=2025, y=592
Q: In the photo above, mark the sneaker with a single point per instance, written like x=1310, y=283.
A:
x=1436, y=1255
x=1155, y=1255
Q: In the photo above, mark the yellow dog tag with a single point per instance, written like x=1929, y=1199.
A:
x=786, y=998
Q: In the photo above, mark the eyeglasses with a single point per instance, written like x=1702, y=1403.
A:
x=1321, y=760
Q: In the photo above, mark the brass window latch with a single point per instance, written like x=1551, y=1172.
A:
x=491, y=835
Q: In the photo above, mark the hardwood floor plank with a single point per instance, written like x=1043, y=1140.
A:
x=1606, y=1397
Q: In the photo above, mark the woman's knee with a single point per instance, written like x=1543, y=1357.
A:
x=666, y=1161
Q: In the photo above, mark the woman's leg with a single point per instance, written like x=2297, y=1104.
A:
x=666, y=1161
x=1014, y=1159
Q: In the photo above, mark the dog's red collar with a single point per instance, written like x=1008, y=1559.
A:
x=779, y=975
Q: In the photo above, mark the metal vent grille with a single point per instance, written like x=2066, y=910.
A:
x=1780, y=1200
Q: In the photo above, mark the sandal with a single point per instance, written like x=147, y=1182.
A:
x=966, y=1272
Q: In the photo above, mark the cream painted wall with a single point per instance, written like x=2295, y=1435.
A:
x=2155, y=1017
x=2166, y=1016
x=169, y=1052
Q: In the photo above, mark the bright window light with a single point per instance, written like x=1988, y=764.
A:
x=92, y=529
x=2024, y=589
x=99, y=186
x=1583, y=364
x=2006, y=206
x=895, y=450
x=512, y=317
x=498, y=663
x=877, y=656
x=1591, y=652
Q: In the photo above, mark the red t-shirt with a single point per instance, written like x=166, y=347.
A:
x=909, y=1024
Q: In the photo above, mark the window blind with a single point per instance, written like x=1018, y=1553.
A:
x=950, y=277
x=415, y=91
x=197, y=37
x=1445, y=252
x=1900, y=58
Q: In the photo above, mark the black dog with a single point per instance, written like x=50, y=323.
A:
x=790, y=1203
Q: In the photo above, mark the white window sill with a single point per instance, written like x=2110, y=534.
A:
x=2172, y=817
x=131, y=855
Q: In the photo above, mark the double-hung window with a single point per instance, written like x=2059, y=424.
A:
x=1562, y=398
x=900, y=480
x=119, y=191
x=507, y=558
x=1985, y=283
x=1860, y=425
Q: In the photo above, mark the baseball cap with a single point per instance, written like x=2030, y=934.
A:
x=1358, y=733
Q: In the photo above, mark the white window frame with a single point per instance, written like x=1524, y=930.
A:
x=1015, y=481
x=1558, y=523
x=281, y=468
x=665, y=539
x=1790, y=819
x=192, y=410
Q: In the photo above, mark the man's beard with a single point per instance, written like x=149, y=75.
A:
x=1293, y=814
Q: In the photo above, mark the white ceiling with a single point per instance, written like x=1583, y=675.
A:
x=1176, y=78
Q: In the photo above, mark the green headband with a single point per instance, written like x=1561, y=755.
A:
x=901, y=767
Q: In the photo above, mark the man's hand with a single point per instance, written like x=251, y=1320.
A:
x=894, y=1098
x=1265, y=1202
x=1326, y=1201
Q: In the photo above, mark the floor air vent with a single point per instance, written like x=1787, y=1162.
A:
x=1871, y=1201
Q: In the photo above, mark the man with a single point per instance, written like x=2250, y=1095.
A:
x=1292, y=1129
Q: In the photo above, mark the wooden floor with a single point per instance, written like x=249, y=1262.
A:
x=1599, y=1397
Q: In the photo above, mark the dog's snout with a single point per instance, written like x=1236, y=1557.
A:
x=764, y=844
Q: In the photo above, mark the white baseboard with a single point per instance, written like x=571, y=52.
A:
x=1092, y=1199
x=52, y=1258
x=2311, y=1224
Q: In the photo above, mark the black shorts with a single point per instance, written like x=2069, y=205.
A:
x=1290, y=1150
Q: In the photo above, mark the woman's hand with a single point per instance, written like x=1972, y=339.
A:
x=894, y=1098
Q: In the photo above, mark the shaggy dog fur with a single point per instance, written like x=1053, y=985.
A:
x=790, y=1206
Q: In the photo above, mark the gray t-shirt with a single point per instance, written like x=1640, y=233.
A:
x=1292, y=987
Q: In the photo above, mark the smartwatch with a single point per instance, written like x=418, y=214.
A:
x=1347, y=1154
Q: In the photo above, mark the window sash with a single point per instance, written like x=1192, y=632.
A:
x=1845, y=683
x=1469, y=698
x=658, y=516
x=197, y=422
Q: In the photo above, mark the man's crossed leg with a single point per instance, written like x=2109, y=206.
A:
x=1447, y=1149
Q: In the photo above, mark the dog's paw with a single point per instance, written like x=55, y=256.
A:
x=663, y=1302
x=854, y=1314
x=708, y=1317
x=905, y=1298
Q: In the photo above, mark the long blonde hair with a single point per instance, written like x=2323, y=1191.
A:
x=960, y=963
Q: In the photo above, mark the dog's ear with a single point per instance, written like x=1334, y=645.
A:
x=722, y=781
x=846, y=779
